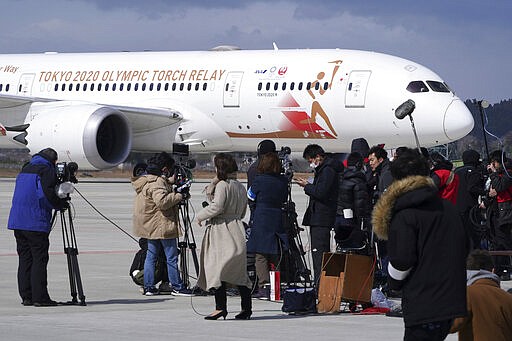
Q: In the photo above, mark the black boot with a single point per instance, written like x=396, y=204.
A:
x=246, y=302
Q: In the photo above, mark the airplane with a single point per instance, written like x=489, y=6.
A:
x=94, y=108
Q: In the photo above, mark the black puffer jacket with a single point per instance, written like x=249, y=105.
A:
x=426, y=249
x=353, y=193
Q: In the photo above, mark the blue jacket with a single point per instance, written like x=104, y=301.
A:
x=34, y=197
x=269, y=192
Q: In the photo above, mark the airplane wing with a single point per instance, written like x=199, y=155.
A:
x=142, y=118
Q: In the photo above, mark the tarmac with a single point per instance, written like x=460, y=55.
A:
x=116, y=309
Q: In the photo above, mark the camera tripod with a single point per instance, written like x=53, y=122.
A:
x=71, y=251
x=296, y=254
x=188, y=241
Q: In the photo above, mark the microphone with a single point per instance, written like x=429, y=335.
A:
x=405, y=109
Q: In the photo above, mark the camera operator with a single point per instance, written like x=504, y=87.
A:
x=155, y=217
x=30, y=217
x=268, y=238
x=501, y=190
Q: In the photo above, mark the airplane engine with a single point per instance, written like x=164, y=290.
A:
x=94, y=136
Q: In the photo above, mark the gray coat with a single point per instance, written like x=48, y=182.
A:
x=223, y=256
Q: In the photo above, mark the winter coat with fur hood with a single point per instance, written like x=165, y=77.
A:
x=155, y=211
x=426, y=249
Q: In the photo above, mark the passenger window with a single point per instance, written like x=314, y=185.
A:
x=283, y=87
x=437, y=86
x=77, y=87
x=308, y=87
x=63, y=87
x=99, y=87
x=300, y=86
x=197, y=86
x=292, y=85
x=189, y=86
x=106, y=87
x=55, y=88
x=317, y=86
x=205, y=85
x=136, y=87
x=417, y=86
x=7, y=88
x=326, y=86
x=92, y=87
x=276, y=85
x=260, y=86
x=268, y=86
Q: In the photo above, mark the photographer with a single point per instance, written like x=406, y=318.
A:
x=501, y=190
x=30, y=217
x=155, y=217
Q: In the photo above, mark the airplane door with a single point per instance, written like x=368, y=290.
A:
x=25, y=85
x=355, y=95
x=232, y=89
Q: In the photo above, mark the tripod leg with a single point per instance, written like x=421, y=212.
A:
x=183, y=263
x=74, y=261
x=67, y=251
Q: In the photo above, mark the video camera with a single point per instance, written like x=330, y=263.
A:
x=286, y=162
x=66, y=172
x=183, y=167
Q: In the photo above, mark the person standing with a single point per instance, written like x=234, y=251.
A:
x=223, y=256
x=426, y=249
x=320, y=214
x=258, y=261
x=155, y=217
x=489, y=307
x=353, y=203
x=268, y=238
x=444, y=177
x=471, y=186
x=30, y=218
x=501, y=189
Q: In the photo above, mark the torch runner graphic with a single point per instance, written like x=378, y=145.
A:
x=316, y=108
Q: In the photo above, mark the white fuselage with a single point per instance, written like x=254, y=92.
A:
x=230, y=100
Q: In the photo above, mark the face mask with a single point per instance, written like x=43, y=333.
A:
x=313, y=165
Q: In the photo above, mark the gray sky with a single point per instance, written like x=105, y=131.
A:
x=467, y=42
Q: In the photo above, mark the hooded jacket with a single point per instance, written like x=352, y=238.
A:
x=353, y=193
x=34, y=196
x=155, y=211
x=426, y=249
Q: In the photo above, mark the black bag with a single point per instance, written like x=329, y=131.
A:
x=299, y=300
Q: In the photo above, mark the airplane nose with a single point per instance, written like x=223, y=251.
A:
x=458, y=121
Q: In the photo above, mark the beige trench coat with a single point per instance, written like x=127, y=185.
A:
x=155, y=210
x=223, y=256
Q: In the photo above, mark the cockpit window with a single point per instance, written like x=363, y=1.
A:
x=438, y=86
x=417, y=86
